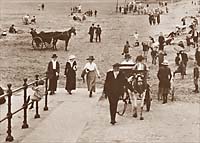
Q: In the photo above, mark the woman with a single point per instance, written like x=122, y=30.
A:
x=53, y=73
x=91, y=71
x=70, y=73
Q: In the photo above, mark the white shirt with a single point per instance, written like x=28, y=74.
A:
x=91, y=67
x=54, y=64
x=115, y=73
x=125, y=62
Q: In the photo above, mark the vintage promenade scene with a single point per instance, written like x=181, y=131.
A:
x=99, y=71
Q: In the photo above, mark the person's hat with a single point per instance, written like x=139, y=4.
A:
x=98, y=25
x=72, y=57
x=54, y=56
x=139, y=58
x=90, y=58
x=165, y=63
x=92, y=24
x=116, y=65
x=13, y=25
x=128, y=56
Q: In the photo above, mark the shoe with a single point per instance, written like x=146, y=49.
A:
x=51, y=93
x=112, y=122
x=69, y=92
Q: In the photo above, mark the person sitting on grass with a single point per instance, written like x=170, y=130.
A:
x=33, y=20
x=39, y=92
x=12, y=29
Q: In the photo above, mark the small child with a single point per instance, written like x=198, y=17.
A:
x=196, y=77
x=38, y=89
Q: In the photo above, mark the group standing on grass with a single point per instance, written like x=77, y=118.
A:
x=95, y=30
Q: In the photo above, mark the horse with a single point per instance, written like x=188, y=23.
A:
x=65, y=36
x=141, y=90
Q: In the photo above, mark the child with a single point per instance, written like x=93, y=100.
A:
x=38, y=92
x=196, y=77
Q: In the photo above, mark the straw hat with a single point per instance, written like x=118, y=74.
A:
x=165, y=63
x=72, y=57
x=90, y=58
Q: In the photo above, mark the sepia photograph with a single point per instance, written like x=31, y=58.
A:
x=99, y=71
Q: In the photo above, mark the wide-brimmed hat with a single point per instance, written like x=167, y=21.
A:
x=72, y=57
x=54, y=56
x=116, y=65
x=90, y=58
x=165, y=63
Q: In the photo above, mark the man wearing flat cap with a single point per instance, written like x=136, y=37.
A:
x=114, y=88
x=53, y=73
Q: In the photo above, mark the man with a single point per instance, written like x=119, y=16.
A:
x=91, y=32
x=95, y=13
x=114, y=88
x=184, y=58
x=196, y=77
x=164, y=75
x=126, y=48
x=98, y=33
x=161, y=41
x=161, y=56
x=12, y=29
x=53, y=73
x=197, y=56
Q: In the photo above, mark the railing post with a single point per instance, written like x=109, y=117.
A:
x=46, y=94
x=25, y=125
x=36, y=108
x=9, y=114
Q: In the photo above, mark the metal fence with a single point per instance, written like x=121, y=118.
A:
x=24, y=107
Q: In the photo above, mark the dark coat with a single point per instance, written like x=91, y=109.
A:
x=70, y=72
x=114, y=88
x=51, y=74
x=161, y=40
x=91, y=30
x=197, y=57
x=164, y=75
x=98, y=31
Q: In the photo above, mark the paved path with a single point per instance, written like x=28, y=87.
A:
x=63, y=123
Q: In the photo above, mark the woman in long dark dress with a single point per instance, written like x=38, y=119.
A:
x=70, y=73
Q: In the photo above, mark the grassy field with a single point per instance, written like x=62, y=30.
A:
x=19, y=60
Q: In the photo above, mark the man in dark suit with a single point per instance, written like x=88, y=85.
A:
x=91, y=32
x=98, y=33
x=53, y=73
x=114, y=88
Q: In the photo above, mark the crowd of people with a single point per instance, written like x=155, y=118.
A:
x=115, y=79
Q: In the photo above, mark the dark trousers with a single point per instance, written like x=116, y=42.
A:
x=98, y=37
x=53, y=82
x=91, y=37
x=113, y=108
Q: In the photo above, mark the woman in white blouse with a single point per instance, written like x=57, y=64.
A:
x=91, y=70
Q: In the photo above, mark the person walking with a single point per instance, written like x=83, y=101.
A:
x=114, y=88
x=158, y=18
x=164, y=75
x=161, y=40
x=91, y=32
x=91, y=71
x=42, y=6
x=98, y=33
x=126, y=49
x=184, y=58
x=53, y=73
x=70, y=73
x=95, y=13
x=197, y=56
x=196, y=77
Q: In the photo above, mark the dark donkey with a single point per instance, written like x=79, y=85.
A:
x=65, y=36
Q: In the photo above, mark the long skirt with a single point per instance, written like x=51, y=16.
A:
x=53, y=82
x=91, y=81
x=71, y=81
